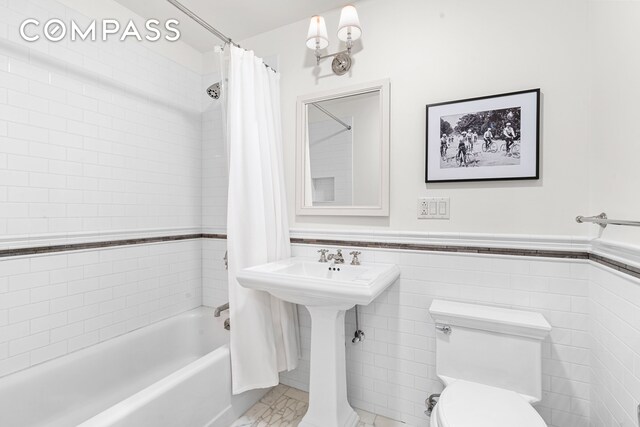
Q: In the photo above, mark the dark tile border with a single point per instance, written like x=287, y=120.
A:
x=608, y=262
x=444, y=248
x=616, y=265
x=95, y=245
x=214, y=236
x=621, y=267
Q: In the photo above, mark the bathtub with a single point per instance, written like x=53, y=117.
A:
x=176, y=372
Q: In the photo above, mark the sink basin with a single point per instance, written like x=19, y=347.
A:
x=327, y=290
x=310, y=283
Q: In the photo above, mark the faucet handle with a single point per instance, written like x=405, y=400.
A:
x=323, y=255
x=355, y=260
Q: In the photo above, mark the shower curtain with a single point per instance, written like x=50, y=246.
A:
x=264, y=329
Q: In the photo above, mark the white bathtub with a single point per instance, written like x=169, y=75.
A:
x=174, y=373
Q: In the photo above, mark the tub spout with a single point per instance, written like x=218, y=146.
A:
x=220, y=309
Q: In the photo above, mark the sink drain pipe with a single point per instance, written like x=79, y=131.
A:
x=358, y=336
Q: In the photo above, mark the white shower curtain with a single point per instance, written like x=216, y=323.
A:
x=264, y=329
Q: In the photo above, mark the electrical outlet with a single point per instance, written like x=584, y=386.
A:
x=433, y=208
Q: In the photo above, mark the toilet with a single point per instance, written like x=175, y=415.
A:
x=489, y=359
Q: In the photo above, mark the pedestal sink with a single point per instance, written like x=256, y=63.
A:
x=327, y=290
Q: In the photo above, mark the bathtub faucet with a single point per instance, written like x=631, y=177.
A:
x=220, y=309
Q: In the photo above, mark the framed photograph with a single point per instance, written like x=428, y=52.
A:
x=489, y=138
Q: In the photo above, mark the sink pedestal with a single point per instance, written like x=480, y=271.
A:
x=328, y=405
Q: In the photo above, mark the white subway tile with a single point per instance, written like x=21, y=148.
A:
x=14, y=364
x=28, y=281
x=46, y=293
x=551, y=302
x=47, y=323
x=28, y=102
x=47, y=91
x=14, y=331
x=31, y=342
x=67, y=331
x=67, y=303
x=49, y=352
x=47, y=150
x=47, y=121
x=29, y=311
x=83, y=341
x=14, y=81
x=14, y=114
x=27, y=163
x=27, y=132
x=14, y=299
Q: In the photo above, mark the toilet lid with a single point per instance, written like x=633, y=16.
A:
x=468, y=404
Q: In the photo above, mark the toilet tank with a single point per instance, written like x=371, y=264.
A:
x=495, y=346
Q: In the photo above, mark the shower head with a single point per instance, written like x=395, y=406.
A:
x=214, y=91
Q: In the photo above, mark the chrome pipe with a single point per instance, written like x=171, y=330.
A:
x=202, y=22
x=430, y=403
x=328, y=113
x=219, y=310
x=207, y=26
x=602, y=220
x=358, y=336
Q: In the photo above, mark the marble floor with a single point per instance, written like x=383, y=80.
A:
x=285, y=406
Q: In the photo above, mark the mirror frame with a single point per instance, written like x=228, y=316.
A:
x=382, y=209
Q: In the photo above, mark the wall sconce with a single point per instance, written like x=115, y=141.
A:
x=349, y=30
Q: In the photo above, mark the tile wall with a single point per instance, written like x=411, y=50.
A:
x=615, y=348
x=393, y=371
x=51, y=305
x=94, y=138
x=214, y=160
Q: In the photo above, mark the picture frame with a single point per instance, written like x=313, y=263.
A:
x=489, y=138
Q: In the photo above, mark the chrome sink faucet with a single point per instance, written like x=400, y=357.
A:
x=337, y=257
x=323, y=255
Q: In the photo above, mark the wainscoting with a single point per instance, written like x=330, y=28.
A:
x=55, y=303
x=66, y=297
x=590, y=367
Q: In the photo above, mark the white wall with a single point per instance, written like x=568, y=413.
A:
x=440, y=50
x=615, y=90
x=94, y=138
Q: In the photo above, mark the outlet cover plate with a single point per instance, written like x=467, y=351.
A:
x=433, y=208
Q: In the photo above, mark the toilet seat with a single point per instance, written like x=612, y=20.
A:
x=468, y=404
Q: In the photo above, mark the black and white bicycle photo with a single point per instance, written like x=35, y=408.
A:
x=488, y=138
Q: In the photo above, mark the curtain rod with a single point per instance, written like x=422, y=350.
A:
x=208, y=27
x=328, y=113
x=602, y=220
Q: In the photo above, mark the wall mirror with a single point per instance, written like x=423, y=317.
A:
x=342, y=165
